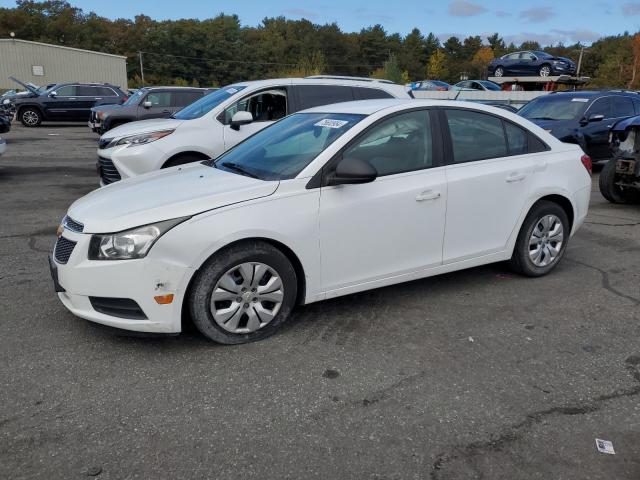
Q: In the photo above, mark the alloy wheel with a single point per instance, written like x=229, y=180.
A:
x=30, y=118
x=498, y=72
x=545, y=243
x=545, y=71
x=247, y=297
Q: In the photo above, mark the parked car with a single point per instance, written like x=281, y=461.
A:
x=531, y=63
x=620, y=178
x=327, y=202
x=144, y=104
x=222, y=119
x=5, y=122
x=430, y=85
x=476, y=85
x=64, y=102
x=583, y=117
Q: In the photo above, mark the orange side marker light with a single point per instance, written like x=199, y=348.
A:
x=163, y=299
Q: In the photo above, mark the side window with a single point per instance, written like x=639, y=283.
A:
x=363, y=93
x=315, y=95
x=402, y=143
x=159, y=99
x=182, y=99
x=536, y=145
x=105, y=92
x=601, y=106
x=67, y=91
x=636, y=105
x=86, y=91
x=475, y=136
x=513, y=56
x=265, y=106
x=622, y=107
x=516, y=138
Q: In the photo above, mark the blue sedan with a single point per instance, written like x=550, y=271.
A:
x=531, y=63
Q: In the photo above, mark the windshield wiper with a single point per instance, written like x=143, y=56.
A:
x=541, y=118
x=237, y=168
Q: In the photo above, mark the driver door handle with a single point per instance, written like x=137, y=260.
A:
x=427, y=195
x=515, y=177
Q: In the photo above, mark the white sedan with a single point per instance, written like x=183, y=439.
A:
x=326, y=202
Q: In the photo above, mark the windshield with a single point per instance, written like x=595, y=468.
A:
x=135, y=98
x=552, y=107
x=283, y=150
x=207, y=103
x=490, y=85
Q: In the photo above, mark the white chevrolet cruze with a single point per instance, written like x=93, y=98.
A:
x=325, y=202
x=220, y=120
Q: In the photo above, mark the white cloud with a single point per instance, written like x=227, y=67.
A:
x=537, y=14
x=464, y=8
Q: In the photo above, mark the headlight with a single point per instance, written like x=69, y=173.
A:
x=142, y=139
x=101, y=115
x=6, y=101
x=130, y=244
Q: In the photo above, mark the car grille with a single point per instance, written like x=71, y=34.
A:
x=72, y=225
x=63, y=249
x=118, y=307
x=103, y=142
x=107, y=171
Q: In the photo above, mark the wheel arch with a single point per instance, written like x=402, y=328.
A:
x=285, y=249
x=21, y=107
x=563, y=202
x=188, y=153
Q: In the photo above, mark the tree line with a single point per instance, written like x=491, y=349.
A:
x=219, y=50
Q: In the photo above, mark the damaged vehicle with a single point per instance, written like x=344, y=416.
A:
x=620, y=177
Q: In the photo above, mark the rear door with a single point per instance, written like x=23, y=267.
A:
x=488, y=180
x=86, y=97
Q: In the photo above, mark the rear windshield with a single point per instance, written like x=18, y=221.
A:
x=552, y=107
x=207, y=103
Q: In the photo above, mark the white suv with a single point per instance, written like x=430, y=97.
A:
x=220, y=120
x=326, y=202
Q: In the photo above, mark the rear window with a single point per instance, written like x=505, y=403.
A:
x=363, y=93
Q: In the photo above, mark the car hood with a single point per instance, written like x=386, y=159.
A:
x=26, y=86
x=164, y=194
x=626, y=123
x=104, y=108
x=143, y=126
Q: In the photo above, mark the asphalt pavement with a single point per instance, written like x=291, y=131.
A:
x=480, y=374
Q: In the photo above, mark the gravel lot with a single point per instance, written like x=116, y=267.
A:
x=476, y=374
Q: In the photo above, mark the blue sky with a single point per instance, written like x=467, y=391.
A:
x=541, y=20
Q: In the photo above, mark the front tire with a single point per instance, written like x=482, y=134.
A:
x=545, y=71
x=30, y=117
x=611, y=191
x=542, y=240
x=244, y=293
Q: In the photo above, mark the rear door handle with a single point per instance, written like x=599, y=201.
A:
x=427, y=195
x=515, y=177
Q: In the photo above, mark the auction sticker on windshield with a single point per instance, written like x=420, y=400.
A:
x=232, y=90
x=331, y=123
x=584, y=100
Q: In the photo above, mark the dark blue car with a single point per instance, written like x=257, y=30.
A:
x=531, y=63
x=583, y=117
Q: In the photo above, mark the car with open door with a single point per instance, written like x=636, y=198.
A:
x=220, y=120
x=325, y=202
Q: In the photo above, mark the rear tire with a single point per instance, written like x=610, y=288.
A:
x=498, y=72
x=545, y=70
x=30, y=117
x=247, y=310
x=610, y=190
x=533, y=240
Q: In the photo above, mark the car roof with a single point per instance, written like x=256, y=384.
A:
x=593, y=93
x=345, y=81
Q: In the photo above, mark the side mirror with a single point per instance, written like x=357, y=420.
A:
x=53, y=94
x=597, y=117
x=147, y=104
x=241, y=118
x=352, y=170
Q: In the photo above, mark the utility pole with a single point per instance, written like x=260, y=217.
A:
x=141, y=69
x=580, y=60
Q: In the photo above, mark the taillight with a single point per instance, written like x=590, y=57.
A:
x=586, y=161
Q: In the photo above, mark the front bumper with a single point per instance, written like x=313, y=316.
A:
x=139, y=280
x=133, y=161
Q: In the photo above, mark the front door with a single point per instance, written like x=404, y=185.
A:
x=266, y=106
x=60, y=106
x=488, y=183
x=393, y=225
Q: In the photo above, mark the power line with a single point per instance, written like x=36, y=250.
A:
x=251, y=62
